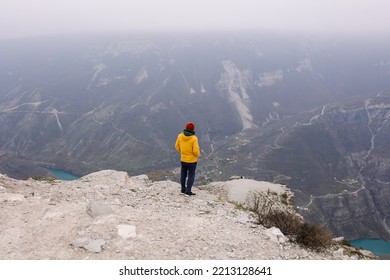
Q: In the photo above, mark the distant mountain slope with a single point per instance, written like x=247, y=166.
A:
x=113, y=101
x=336, y=160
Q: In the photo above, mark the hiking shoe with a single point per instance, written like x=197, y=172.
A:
x=190, y=193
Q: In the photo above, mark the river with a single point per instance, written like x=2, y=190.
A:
x=63, y=175
x=377, y=246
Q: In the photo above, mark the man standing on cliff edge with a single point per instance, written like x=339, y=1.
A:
x=188, y=147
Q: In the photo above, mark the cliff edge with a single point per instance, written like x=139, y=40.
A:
x=109, y=215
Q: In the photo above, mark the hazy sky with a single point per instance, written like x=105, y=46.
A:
x=35, y=17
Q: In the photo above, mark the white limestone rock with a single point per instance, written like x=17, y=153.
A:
x=97, y=208
x=276, y=235
x=11, y=197
x=127, y=231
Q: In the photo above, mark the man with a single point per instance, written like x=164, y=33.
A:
x=188, y=147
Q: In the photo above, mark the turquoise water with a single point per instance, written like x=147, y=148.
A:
x=377, y=246
x=63, y=175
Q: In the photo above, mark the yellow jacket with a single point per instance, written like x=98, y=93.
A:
x=188, y=147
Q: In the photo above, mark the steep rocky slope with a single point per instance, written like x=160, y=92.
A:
x=109, y=215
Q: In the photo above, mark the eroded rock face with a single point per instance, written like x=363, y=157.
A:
x=353, y=215
x=108, y=215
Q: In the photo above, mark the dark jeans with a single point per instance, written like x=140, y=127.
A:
x=187, y=169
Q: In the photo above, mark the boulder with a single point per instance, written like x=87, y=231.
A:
x=97, y=208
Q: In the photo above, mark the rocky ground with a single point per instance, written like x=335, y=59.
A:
x=109, y=215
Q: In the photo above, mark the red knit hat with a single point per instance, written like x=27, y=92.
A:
x=190, y=126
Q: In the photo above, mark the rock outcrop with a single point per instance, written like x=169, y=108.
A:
x=109, y=215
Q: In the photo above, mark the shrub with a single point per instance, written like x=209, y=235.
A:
x=284, y=199
x=289, y=223
x=346, y=243
x=48, y=179
x=314, y=237
x=271, y=212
